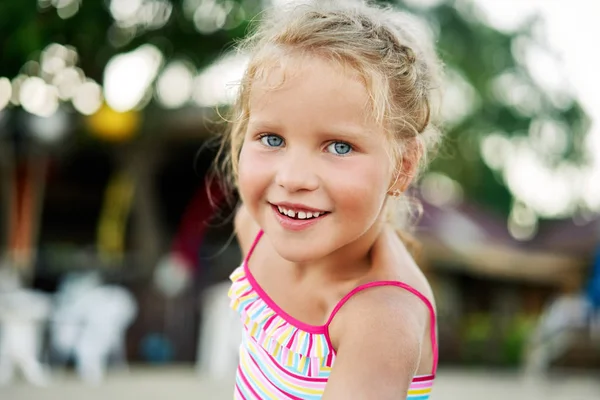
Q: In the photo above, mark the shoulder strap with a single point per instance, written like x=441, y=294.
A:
x=256, y=239
x=404, y=286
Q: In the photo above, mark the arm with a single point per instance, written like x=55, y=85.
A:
x=378, y=335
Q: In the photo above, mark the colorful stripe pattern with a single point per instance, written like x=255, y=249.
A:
x=285, y=359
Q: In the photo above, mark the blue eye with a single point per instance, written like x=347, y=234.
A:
x=271, y=140
x=339, y=148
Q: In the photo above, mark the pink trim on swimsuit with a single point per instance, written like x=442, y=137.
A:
x=281, y=356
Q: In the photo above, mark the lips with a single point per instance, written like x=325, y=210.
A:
x=298, y=214
x=298, y=211
x=296, y=218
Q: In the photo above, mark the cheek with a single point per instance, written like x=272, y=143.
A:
x=253, y=175
x=363, y=189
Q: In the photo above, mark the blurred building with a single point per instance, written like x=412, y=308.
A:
x=122, y=205
x=112, y=177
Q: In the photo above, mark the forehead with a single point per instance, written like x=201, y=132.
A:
x=310, y=90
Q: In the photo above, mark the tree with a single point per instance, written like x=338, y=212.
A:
x=506, y=101
x=500, y=100
x=93, y=30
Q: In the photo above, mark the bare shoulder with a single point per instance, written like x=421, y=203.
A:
x=381, y=333
x=382, y=312
x=245, y=228
x=378, y=335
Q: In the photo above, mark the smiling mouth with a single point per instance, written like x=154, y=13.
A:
x=299, y=214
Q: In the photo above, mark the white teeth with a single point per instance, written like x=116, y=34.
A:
x=299, y=214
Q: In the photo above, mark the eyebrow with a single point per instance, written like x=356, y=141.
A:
x=346, y=132
x=264, y=124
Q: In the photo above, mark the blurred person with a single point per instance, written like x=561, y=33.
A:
x=177, y=269
x=89, y=323
x=23, y=315
x=561, y=323
x=335, y=115
x=592, y=293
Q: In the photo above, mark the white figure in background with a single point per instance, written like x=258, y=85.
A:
x=23, y=314
x=90, y=323
x=559, y=327
x=562, y=322
x=220, y=332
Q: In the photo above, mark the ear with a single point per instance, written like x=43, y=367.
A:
x=407, y=166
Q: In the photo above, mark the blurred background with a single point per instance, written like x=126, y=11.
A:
x=114, y=260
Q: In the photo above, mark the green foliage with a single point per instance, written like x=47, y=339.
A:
x=27, y=30
x=480, y=54
x=474, y=50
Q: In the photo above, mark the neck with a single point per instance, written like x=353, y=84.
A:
x=348, y=262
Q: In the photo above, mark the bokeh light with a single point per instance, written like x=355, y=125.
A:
x=128, y=77
x=549, y=137
x=88, y=99
x=522, y=222
x=37, y=97
x=123, y=10
x=459, y=98
x=281, y=3
x=65, y=9
x=175, y=84
x=56, y=57
x=67, y=81
x=16, y=88
x=219, y=83
x=512, y=89
x=440, y=190
x=504, y=17
x=209, y=16
x=546, y=71
x=495, y=149
x=141, y=14
x=42, y=86
x=552, y=192
x=424, y=3
x=591, y=188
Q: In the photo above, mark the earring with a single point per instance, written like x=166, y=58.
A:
x=396, y=193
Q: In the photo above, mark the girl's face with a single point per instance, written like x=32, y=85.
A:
x=313, y=169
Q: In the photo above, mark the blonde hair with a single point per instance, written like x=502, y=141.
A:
x=388, y=49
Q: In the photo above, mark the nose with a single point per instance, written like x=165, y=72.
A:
x=297, y=172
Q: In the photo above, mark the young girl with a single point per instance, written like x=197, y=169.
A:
x=333, y=119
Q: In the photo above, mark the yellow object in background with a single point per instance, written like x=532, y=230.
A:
x=114, y=126
x=115, y=213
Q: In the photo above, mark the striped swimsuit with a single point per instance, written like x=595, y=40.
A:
x=283, y=358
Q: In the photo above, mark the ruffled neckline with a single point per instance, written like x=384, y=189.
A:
x=271, y=327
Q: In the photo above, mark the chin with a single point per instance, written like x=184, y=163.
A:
x=300, y=252
x=297, y=255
